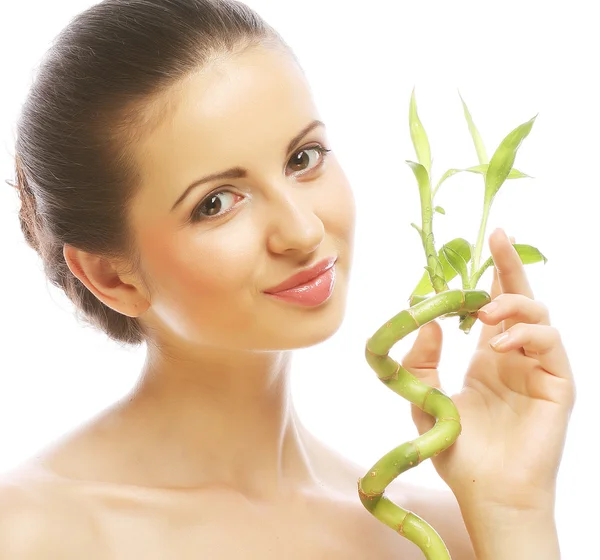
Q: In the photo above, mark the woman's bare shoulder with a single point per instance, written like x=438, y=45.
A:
x=24, y=517
x=34, y=513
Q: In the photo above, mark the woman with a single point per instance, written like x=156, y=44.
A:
x=174, y=172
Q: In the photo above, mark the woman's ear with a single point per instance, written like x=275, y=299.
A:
x=117, y=290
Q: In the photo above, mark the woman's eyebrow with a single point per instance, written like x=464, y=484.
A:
x=240, y=172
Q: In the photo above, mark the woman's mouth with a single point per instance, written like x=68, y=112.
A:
x=312, y=293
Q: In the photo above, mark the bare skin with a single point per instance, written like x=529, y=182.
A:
x=46, y=515
x=206, y=457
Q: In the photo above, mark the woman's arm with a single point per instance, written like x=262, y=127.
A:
x=512, y=535
x=473, y=532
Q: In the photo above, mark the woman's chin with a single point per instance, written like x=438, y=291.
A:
x=316, y=325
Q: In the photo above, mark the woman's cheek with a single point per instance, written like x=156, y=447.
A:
x=339, y=210
x=220, y=262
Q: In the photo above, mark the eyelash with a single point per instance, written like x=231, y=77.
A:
x=194, y=218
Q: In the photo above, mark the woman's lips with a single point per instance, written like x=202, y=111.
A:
x=312, y=293
x=304, y=276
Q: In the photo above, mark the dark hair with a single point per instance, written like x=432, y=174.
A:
x=95, y=92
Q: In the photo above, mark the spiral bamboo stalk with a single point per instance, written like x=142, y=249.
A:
x=371, y=487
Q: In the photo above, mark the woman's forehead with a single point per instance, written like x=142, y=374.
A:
x=260, y=95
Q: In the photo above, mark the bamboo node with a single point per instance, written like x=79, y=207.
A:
x=374, y=353
x=448, y=419
x=412, y=314
x=366, y=495
x=393, y=375
x=400, y=529
x=426, y=396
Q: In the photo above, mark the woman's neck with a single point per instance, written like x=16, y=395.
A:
x=223, y=426
x=227, y=422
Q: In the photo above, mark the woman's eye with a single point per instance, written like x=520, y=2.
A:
x=301, y=159
x=216, y=204
x=213, y=205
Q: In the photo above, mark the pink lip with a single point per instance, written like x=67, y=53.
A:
x=303, y=276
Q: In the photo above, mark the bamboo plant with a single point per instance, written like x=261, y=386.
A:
x=442, y=266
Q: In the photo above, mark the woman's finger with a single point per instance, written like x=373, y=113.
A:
x=549, y=376
x=541, y=342
x=516, y=307
x=488, y=330
x=511, y=272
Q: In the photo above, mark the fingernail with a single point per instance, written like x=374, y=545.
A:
x=489, y=308
x=499, y=340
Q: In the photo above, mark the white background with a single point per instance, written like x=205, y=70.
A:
x=510, y=61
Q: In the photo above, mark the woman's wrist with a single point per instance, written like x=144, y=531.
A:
x=511, y=534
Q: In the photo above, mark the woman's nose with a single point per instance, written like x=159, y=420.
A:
x=294, y=226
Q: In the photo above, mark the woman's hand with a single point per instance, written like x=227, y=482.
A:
x=516, y=399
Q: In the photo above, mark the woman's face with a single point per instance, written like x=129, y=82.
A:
x=284, y=207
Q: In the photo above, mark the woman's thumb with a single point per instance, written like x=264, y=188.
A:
x=422, y=360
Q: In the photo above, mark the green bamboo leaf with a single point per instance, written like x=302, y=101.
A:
x=527, y=253
x=460, y=246
x=424, y=286
x=516, y=174
x=479, y=146
x=422, y=179
x=440, y=210
x=504, y=157
x=445, y=176
x=418, y=135
x=459, y=264
x=482, y=170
